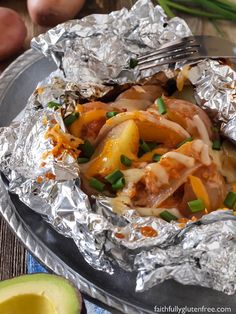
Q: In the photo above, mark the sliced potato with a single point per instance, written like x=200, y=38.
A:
x=92, y=117
x=148, y=156
x=183, y=112
x=214, y=186
x=151, y=128
x=155, y=183
x=138, y=97
x=123, y=139
x=145, y=92
x=132, y=104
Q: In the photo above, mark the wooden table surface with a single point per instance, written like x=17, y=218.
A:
x=12, y=253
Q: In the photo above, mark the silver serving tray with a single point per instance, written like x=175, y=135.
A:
x=58, y=253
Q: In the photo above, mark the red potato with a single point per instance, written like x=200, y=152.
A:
x=12, y=33
x=53, y=12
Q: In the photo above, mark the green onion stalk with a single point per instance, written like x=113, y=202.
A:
x=212, y=9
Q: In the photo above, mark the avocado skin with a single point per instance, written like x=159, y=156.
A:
x=65, y=286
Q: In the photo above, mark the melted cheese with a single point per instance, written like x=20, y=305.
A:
x=174, y=126
x=205, y=158
x=197, y=145
x=152, y=211
x=63, y=141
x=159, y=172
x=133, y=175
x=185, y=160
x=202, y=130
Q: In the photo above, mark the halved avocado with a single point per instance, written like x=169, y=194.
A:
x=39, y=294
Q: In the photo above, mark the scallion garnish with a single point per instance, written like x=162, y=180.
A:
x=96, y=184
x=189, y=139
x=71, y=118
x=114, y=176
x=140, y=152
x=111, y=114
x=212, y=9
x=119, y=184
x=156, y=157
x=125, y=161
x=215, y=129
x=216, y=145
x=196, y=205
x=144, y=146
x=82, y=160
x=152, y=145
x=87, y=149
x=133, y=63
x=53, y=104
x=161, y=105
x=167, y=216
x=230, y=200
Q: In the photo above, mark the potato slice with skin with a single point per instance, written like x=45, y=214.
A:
x=183, y=112
x=121, y=204
x=138, y=97
x=94, y=105
x=123, y=139
x=215, y=187
x=92, y=117
x=148, y=156
x=145, y=92
x=132, y=104
x=151, y=128
x=158, y=181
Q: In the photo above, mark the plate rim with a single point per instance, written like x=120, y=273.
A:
x=19, y=227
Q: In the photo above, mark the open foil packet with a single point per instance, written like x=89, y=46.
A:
x=91, y=54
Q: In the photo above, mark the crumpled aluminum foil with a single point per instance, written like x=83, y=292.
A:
x=97, y=48
x=90, y=52
x=216, y=93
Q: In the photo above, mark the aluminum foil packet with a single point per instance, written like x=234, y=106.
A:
x=91, y=54
x=98, y=48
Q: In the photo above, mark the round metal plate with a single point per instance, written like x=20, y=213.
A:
x=60, y=254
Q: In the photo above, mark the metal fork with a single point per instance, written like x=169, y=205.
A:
x=188, y=48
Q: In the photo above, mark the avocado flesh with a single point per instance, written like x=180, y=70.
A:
x=25, y=304
x=39, y=294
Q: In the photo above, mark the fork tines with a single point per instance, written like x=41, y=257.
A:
x=172, y=52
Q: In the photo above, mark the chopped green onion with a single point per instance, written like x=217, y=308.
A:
x=161, y=106
x=215, y=129
x=96, y=184
x=82, y=160
x=156, y=157
x=167, y=216
x=196, y=205
x=230, y=200
x=114, y=176
x=53, y=104
x=140, y=152
x=216, y=145
x=189, y=139
x=71, y=118
x=111, y=114
x=144, y=146
x=119, y=184
x=152, y=145
x=125, y=161
x=87, y=149
x=133, y=63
